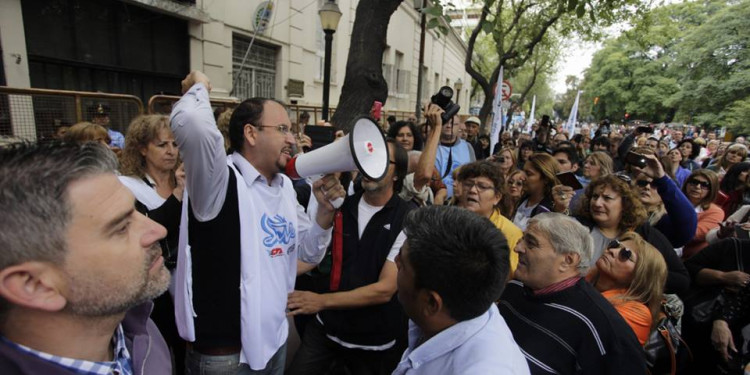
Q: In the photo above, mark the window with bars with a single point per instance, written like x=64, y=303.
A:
x=258, y=76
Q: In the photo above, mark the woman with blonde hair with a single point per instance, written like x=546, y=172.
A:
x=505, y=159
x=541, y=176
x=596, y=165
x=149, y=167
x=735, y=153
x=84, y=132
x=631, y=274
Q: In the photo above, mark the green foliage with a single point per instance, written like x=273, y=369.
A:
x=684, y=62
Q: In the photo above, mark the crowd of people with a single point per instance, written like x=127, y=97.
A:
x=183, y=248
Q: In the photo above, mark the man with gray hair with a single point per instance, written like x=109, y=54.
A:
x=562, y=324
x=78, y=267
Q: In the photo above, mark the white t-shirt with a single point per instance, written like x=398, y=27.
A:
x=523, y=214
x=365, y=213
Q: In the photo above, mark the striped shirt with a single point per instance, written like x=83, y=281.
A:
x=121, y=365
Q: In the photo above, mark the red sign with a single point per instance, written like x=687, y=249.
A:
x=507, y=89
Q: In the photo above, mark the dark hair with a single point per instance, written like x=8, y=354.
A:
x=577, y=138
x=600, y=141
x=571, y=152
x=490, y=171
x=402, y=164
x=633, y=212
x=248, y=112
x=485, y=137
x=393, y=132
x=731, y=180
x=526, y=144
x=459, y=255
x=713, y=189
x=391, y=118
x=694, y=151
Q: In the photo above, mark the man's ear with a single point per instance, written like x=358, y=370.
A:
x=250, y=133
x=570, y=260
x=433, y=303
x=33, y=285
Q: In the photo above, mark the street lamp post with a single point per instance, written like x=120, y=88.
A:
x=329, y=18
x=420, y=5
x=458, y=85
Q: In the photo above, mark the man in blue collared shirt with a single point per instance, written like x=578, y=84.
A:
x=451, y=269
x=78, y=267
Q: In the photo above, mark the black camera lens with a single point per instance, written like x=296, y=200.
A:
x=443, y=100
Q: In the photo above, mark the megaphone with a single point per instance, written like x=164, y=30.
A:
x=364, y=149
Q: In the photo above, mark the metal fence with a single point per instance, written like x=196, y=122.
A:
x=37, y=114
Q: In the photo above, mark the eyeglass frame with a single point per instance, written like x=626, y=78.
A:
x=474, y=183
x=624, y=254
x=704, y=185
x=280, y=128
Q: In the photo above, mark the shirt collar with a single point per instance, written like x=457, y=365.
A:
x=558, y=286
x=121, y=363
x=250, y=174
x=447, y=340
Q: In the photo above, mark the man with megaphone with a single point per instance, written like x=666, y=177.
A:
x=242, y=233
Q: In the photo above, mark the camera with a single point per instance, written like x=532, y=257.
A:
x=443, y=100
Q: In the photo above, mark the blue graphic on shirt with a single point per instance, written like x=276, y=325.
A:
x=278, y=230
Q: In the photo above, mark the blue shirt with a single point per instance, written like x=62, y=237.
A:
x=116, y=138
x=483, y=345
x=121, y=365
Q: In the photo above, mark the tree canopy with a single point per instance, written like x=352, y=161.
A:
x=687, y=62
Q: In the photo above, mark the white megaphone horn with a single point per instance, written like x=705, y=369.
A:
x=364, y=149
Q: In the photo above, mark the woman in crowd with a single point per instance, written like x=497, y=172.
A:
x=482, y=193
x=610, y=208
x=716, y=269
x=84, y=132
x=733, y=188
x=505, y=159
x=679, y=173
x=663, y=147
x=406, y=134
x=596, y=165
x=514, y=187
x=668, y=209
x=541, y=170
x=524, y=151
x=736, y=153
x=631, y=274
x=689, y=150
x=149, y=167
x=484, y=141
x=701, y=189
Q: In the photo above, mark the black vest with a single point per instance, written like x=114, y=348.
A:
x=363, y=260
x=215, y=253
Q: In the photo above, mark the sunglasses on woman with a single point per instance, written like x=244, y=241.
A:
x=702, y=184
x=643, y=183
x=625, y=254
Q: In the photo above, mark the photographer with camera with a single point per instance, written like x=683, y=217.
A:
x=541, y=143
x=453, y=151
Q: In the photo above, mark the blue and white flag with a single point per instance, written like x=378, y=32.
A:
x=570, y=126
x=497, y=112
x=530, y=121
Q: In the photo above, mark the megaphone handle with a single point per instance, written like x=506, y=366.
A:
x=337, y=203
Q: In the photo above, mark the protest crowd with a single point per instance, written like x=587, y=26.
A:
x=184, y=247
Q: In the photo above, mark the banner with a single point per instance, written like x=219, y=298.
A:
x=570, y=126
x=530, y=120
x=497, y=112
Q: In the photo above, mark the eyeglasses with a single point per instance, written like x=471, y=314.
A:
x=701, y=184
x=283, y=129
x=644, y=183
x=625, y=254
x=468, y=185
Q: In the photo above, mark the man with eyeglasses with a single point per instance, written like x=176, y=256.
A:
x=561, y=323
x=358, y=321
x=242, y=233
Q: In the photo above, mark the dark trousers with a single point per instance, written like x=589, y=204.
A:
x=320, y=355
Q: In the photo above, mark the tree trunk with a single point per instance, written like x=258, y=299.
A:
x=364, y=82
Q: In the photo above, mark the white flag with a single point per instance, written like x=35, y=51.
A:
x=530, y=121
x=497, y=112
x=571, y=125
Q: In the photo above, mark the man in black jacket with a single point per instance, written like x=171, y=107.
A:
x=562, y=324
x=359, y=321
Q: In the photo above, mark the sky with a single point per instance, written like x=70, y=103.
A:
x=574, y=63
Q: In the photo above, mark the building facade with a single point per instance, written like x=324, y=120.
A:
x=247, y=47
